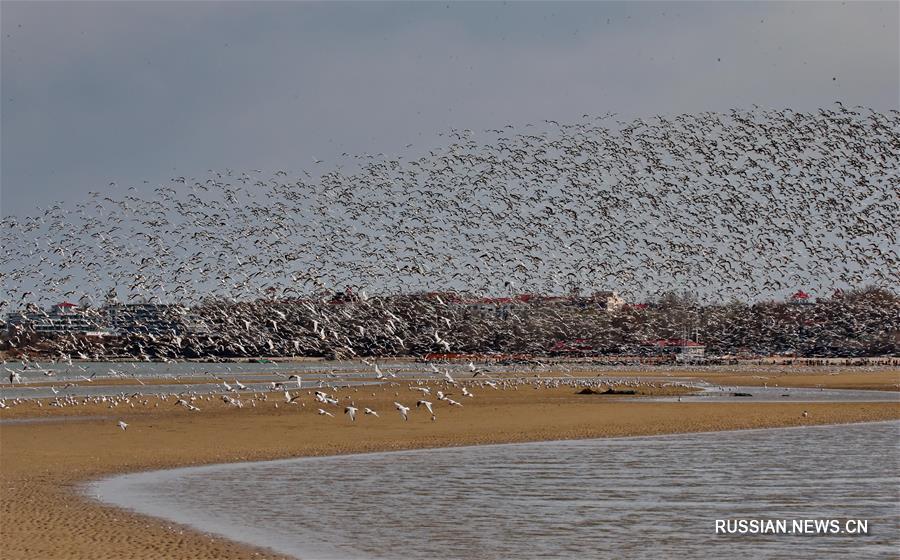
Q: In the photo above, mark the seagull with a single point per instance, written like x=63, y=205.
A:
x=441, y=341
x=404, y=410
x=232, y=402
x=265, y=262
x=427, y=405
x=186, y=405
x=324, y=398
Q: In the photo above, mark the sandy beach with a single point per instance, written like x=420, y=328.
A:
x=43, y=466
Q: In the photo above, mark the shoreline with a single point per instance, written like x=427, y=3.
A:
x=881, y=379
x=87, y=483
x=87, y=488
x=45, y=466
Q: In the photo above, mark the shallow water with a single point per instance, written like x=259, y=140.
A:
x=709, y=394
x=89, y=390
x=651, y=497
x=314, y=369
x=257, y=376
x=784, y=394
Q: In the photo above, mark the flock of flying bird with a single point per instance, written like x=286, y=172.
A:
x=745, y=203
x=438, y=386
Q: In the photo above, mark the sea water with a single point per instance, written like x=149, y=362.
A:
x=645, y=497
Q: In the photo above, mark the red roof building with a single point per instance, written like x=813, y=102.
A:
x=64, y=308
x=801, y=298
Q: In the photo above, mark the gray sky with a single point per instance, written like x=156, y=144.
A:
x=94, y=93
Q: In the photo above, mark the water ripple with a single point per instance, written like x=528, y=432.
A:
x=646, y=497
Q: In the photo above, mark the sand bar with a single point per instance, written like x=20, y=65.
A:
x=43, y=465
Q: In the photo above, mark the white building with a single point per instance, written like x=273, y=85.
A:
x=62, y=318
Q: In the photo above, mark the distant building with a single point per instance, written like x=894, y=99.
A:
x=502, y=307
x=62, y=318
x=682, y=349
x=495, y=308
x=114, y=319
x=610, y=299
x=800, y=298
x=151, y=318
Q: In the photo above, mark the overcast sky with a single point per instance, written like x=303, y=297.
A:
x=94, y=93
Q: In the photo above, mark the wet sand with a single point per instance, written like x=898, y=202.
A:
x=875, y=379
x=43, y=466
